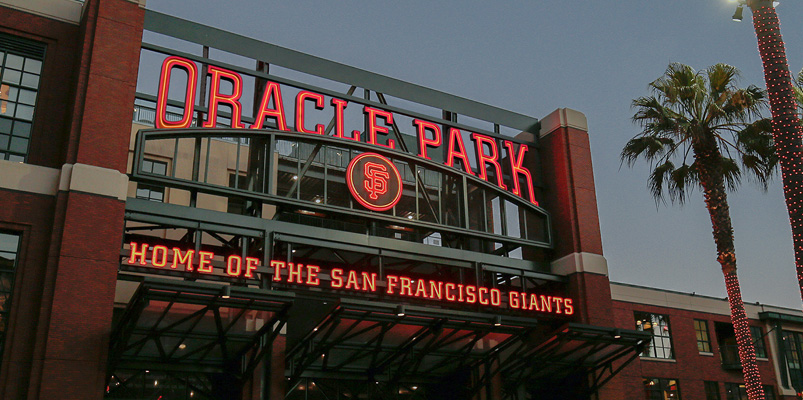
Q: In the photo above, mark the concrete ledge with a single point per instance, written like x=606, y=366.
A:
x=563, y=118
x=580, y=262
x=94, y=180
x=69, y=11
x=29, y=178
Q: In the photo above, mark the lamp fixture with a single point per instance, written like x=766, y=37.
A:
x=400, y=310
x=737, y=16
x=497, y=320
x=226, y=292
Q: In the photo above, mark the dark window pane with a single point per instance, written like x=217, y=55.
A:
x=18, y=145
x=712, y=391
x=758, y=341
x=5, y=125
x=22, y=129
x=4, y=139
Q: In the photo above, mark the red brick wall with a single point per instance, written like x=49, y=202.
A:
x=61, y=320
x=31, y=215
x=690, y=367
x=569, y=191
x=570, y=197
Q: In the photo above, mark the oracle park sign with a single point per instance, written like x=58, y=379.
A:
x=373, y=180
x=487, y=155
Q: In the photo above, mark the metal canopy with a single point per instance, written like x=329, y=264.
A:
x=367, y=341
x=573, y=349
x=176, y=326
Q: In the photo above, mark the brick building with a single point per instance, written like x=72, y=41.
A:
x=252, y=235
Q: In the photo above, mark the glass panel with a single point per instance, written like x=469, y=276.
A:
x=27, y=97
x=658, y=325
x=5, y=125
x=12, y=92
x=14, y=61
x=33, y=66
x=30, y=80
x=11, y=76
x=8, y=108
x=22, y=129
x=24, y=112
x=18, y=145
x=4, y=139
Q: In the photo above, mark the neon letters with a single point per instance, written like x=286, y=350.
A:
x=283, y=272
x=487, y=150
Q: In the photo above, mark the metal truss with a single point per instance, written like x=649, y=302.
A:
x=175, y=326
x=374, y=342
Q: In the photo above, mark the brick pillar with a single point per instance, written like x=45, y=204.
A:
x=78, y=297
x=570, y=197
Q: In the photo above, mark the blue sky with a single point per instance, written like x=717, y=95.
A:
x=535, y=56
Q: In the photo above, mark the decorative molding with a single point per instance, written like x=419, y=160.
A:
x=94, y=180
x=29, y=178
x=563, y=118
x=69, y=11
x=580, y=262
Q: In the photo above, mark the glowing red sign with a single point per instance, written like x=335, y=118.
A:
x=488, y=151
x=374, y=181
x=144, y=255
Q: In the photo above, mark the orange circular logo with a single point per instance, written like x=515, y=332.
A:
x=374, y=181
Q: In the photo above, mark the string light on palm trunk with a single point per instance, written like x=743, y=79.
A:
x=787, y=131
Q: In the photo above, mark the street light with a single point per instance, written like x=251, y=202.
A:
x=737, y=16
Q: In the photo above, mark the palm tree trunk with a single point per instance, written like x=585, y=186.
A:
x=785, y=122
x=716, y=201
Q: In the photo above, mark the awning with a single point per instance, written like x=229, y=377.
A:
x=189, y=330
x=370, y=341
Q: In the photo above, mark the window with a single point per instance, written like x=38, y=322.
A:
x=711, y=390
x=793, y=345
x=658, y=325
x=758, y=341
x=661, y=389
x=20, y=68
x=9, y=252
x=769, y=392
x=735, y=391
x=703, y=338
x=152, y=192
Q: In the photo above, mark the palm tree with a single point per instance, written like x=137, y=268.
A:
x=786, y=123
x=700, y=130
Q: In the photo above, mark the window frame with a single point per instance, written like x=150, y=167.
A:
x=757, y=335
x=7, y=303
x=735, y=391
x=16, y=129
x=659, y=390
x=148, y=189
x=701, y=329
x=712, y=391
x=661, y=324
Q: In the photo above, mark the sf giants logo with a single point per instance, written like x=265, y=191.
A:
x=374, y=181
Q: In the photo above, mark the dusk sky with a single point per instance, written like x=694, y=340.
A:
x=532, y=57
